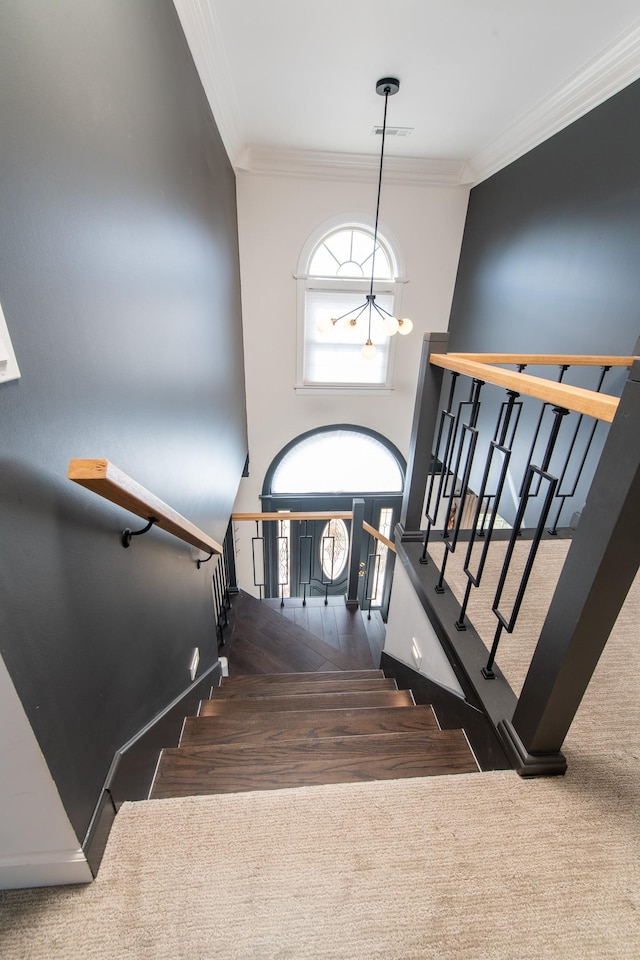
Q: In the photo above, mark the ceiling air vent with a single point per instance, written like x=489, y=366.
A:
x=394, y=131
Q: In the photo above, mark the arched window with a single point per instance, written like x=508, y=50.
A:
x=337, y=459
x=334, y=279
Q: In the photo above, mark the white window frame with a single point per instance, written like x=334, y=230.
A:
x=304, y=283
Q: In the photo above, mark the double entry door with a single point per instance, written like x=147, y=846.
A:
x=311, y=557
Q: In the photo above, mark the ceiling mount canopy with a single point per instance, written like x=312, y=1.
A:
x=386, y=87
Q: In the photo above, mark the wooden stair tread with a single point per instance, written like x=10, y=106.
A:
x=298, y=688
x=310, y=677
x=231, y=768
x=325, y=701
x=295, y=725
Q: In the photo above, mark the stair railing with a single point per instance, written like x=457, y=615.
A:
x=465, y=460
x=274, y=553
x=108, y=481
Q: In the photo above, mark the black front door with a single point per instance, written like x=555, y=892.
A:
x=310, y=558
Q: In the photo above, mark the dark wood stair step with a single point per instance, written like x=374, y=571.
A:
x=232, y=768
x=297, y=725
x=321, y=701
x=298, y=688
x=311, y=677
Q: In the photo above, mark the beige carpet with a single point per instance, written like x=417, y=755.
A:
x=479, y=867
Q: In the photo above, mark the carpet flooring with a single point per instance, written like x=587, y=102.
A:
x=478, y=867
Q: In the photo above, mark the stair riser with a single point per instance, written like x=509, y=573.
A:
x=199, y=731
x=200, y=771
x=324, y=701
x=298, y=688
x=261, y=681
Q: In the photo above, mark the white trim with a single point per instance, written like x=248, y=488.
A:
x=608, y=73
x=44, y=869
x=348, y=220
x=360, y=167
x=343, y=390
x=204, y=38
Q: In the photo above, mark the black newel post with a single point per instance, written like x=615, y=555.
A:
x=357, y=534
x=599, y=570
x=425, y=417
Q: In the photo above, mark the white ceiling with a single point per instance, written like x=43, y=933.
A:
x=482, y=81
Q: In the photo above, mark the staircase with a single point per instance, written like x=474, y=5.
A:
x=305, y=729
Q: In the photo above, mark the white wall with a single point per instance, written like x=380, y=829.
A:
x=38, y=846
x=408, y=622
x=276, y=215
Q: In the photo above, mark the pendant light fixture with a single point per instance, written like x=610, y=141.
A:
x=387, y=87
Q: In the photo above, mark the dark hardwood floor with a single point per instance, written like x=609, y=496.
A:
x=263, y=638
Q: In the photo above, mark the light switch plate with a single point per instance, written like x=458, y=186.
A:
x=8, y=363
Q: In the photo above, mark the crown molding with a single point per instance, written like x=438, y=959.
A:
x=608, y=73
x=204, y=39
x=326, y=165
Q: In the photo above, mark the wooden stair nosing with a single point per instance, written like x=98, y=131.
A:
x=228, y=768
x=323, y=701
x=295, y=725
x=299, y=688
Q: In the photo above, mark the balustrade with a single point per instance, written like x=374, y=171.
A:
x=494, y=461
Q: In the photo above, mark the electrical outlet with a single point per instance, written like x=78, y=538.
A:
x=195, y=660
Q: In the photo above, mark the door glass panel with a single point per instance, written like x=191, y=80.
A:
x=334, y=549
x=282, y=547
x=382, y=551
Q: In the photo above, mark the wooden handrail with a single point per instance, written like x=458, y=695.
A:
x=379, y=536
x=105, y=479
x=548, y=359
x=316, y=515
x=602, y=406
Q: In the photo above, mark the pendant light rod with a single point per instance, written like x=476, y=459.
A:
x=386, y=88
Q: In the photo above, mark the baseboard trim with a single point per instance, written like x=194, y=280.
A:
x=530, y=764
x=133, y=766
x=44, y=869
x=452, y=712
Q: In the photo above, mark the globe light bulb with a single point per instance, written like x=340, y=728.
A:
x=369, y=350
x=390, y=326
x=350, y=323
x=405, y=326
x=324, y=325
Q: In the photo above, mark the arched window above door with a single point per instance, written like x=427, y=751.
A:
x=334, y=278
x=337, y=459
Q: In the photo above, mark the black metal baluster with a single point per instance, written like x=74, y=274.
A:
x=467, y=430
x=446, y=417
x=502, y=444
x=258, y=582
x=217, y=602
x=328, y=582
x=225, y=562
x=373, y=563
x=306, y=554
x=563, y=497
x=542, y=474
x=561, y=372
x=282, y=556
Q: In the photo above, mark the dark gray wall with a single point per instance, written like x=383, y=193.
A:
x=551, y=251
x=120, y=285
x=550, y=260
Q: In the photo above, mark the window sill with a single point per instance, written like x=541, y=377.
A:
x=343, y=390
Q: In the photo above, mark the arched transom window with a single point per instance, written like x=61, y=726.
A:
x=337, y=461
x=335, y=279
